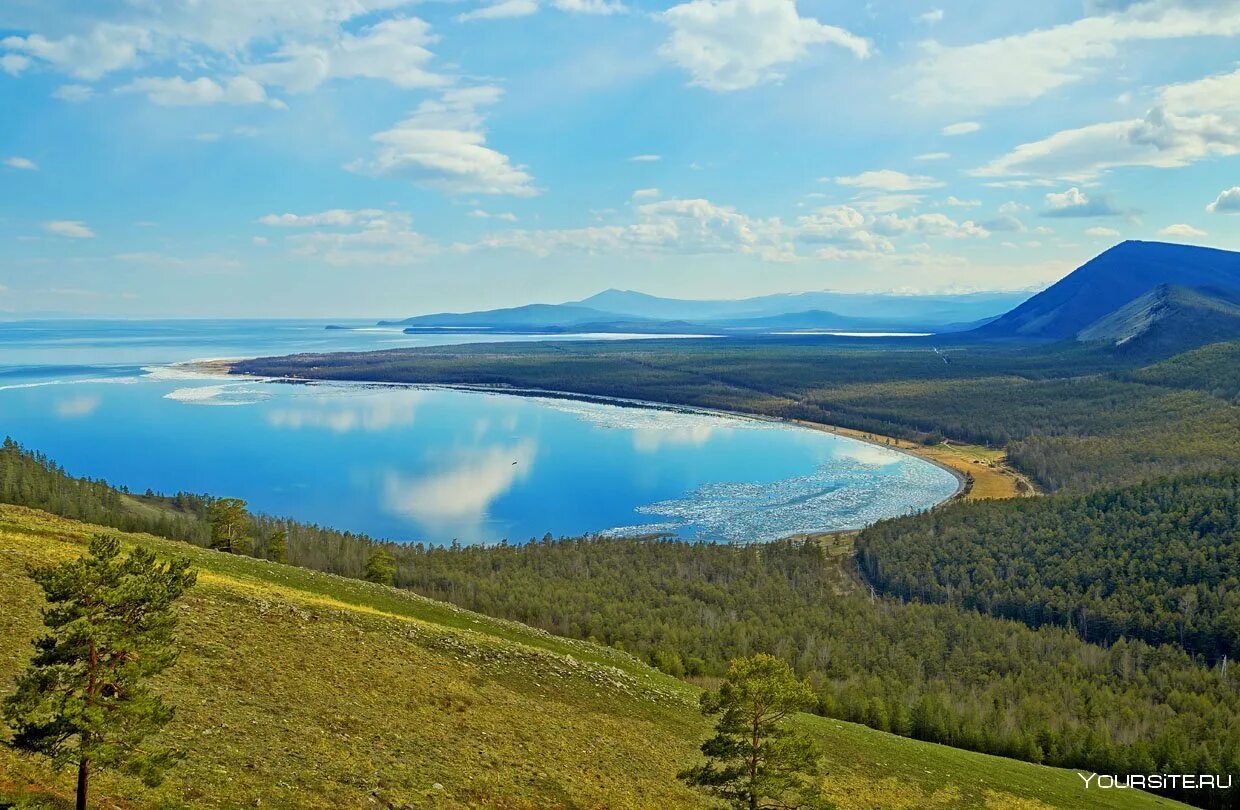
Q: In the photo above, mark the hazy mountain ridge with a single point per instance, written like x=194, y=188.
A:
x=626, y=310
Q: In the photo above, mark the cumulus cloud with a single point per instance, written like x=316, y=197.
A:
x=394, y=50
x=727, y=45
x=1182, y=231
x=1227, y=202
x=646, y=194
x=889, y=180
x=73, y=93
x=933, y=156
x=669, y=226
x=69, y=228
x=25, y=164
x=335, y=217
x=962, y=128
x=1019, y=68
x=105, y=48
x=1190, y=121
x=14, y=63
x=505, y=9
x=442, y=145
x=934, y=15
x=645, y=158
x=1106, y=233
x=1076, y=203
x=179, y=92
x=343, y=237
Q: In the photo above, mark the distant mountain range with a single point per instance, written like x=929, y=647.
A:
x=1149, y=297
x=628, y=311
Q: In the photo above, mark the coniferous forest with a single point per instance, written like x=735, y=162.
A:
x=946, y=673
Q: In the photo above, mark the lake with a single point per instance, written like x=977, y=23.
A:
x=104, y=399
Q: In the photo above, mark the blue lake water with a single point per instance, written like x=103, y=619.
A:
x=104, y=400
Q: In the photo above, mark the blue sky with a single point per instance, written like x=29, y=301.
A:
x=381, y=158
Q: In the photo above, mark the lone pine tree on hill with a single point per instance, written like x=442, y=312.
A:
x=754, y=760
x=229, y=522
x=381, y=567
x=85, y=700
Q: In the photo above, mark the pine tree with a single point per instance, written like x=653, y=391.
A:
x=381, y=567
x=277, y=546
x=85, y=699
x=754, y=760
x=228, y=524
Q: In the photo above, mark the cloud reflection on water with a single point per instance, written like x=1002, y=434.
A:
x=457, y=498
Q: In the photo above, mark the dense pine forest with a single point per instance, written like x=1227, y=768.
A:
x=934, y=672
x=1157, y=561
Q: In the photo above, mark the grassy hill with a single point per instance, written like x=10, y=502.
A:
x=300, y=689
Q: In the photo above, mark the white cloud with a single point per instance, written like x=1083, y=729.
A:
x=645, y=158
x=934, y=15
x=1189, y=122
x=344, y=237
x=1076, y=203
x=1182, y=231
x=73, y=93
x=646, y=194
x=69, y=228
x=14, y=63
x=728, y=45
x=962, y=128
x=107, y=47
x=889, y=180
x=506, y=216
x=503, y=10
x=366, y=237
x=668, y=226
x=25, y=164
x=179, y=92
x=933, y=156
x=393, y=50
x=589, y=6
x=928, y=225
x=1019, y=68
x=231, y=25
x=335, y=218
x=442, y=145
x=956, y=202
x=1227, y=202
x=1105, y=233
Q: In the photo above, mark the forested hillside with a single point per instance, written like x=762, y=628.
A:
x=1157, y=561
x=296, y=689
x=933, y=672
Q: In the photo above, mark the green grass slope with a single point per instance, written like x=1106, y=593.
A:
x=300, y=689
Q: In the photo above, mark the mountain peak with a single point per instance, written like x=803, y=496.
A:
x=1111, y=280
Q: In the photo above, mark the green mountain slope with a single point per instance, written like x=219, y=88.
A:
x=299, y=689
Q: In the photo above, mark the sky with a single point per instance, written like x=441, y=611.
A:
x=360, y=158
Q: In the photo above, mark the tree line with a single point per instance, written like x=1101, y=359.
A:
x=1158, y=561
x=937, y=672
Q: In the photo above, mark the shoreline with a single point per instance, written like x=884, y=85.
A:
x=980, y=473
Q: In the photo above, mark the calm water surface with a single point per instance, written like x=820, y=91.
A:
x=423, y=463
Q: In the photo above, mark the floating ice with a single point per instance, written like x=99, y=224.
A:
x=843, y=494
x=235, y=394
